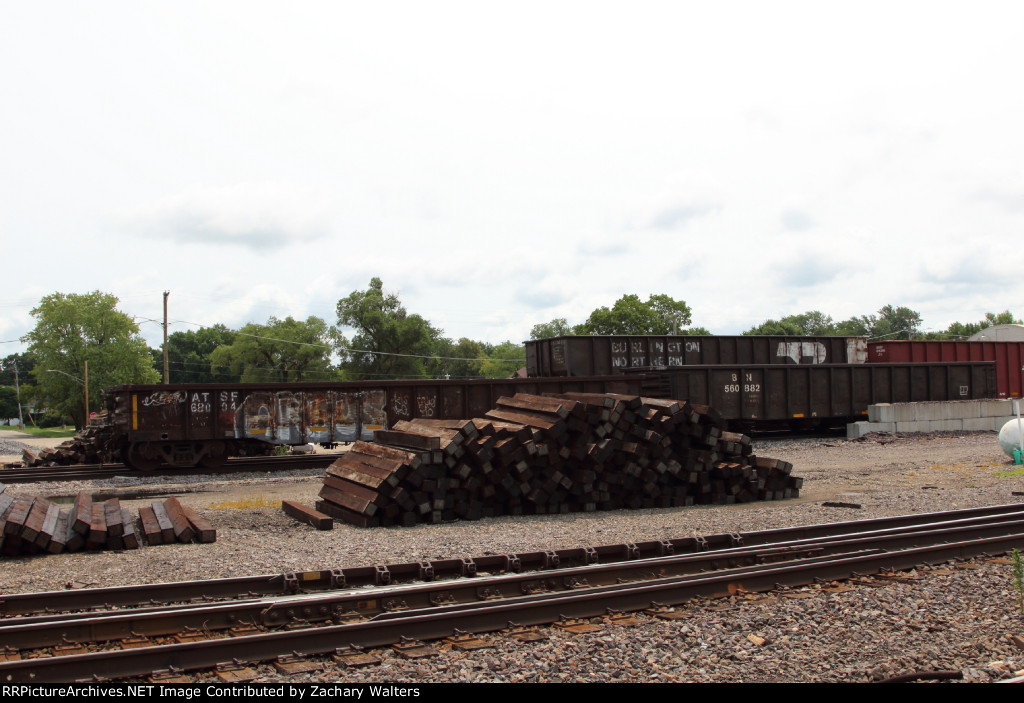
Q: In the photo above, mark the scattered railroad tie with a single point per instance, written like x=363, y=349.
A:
x=574, y=452
x=34, y=525
x=306, y=514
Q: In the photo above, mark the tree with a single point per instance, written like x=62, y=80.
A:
x=812, y=323
x=189, y=356
x=853, y=327
x=460, y=359
x=388, y=341
x=556, y=328
x=661, y=314
x=503, y=360
x=960, y=330
x=896, y=323
x=785, y=326
x=16, y=369
x=74, y=329
x=8, y=403
x=16, y=384
x=281, y=350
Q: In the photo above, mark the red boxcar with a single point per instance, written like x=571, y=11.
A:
x=1009, y=358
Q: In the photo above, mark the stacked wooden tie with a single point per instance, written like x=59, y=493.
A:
x=575, y=452
x=84, y=447
x=33, y=525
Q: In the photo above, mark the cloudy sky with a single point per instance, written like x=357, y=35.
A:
x=503, y=164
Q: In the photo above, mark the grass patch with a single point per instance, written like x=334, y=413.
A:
x=1011, y=473
x=249, y=502
x=42, y=432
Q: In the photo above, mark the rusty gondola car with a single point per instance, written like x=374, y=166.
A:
x=204, y=424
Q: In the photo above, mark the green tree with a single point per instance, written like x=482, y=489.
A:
x=1004, y=318
x=503, y=360
x=853, y=327
x=785, y=326
x=8, y=403
x=661, y=314
x=460, y=359
x=23, y=363
x=74, y=329
x=189, y=356
x=896, y=323
x=388, y=341
x=556, y=328
x=812, y=323
x=960, y=330
x=281, y=350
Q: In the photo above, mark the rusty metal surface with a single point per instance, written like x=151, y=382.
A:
x=293, y=413
x=810, y=393
x=1008, y=356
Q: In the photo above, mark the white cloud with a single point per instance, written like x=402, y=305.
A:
x=259, y=216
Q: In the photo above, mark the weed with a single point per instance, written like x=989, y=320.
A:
x=257, y=501
x=1010, y=473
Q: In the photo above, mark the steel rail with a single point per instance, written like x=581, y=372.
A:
x=332, y=579
x=442, y=621
x=46, y=631
x=81, y=472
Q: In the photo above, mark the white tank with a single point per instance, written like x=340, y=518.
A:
x=1009, y=437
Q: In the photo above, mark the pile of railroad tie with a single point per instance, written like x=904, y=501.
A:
x=83, y=448
x=572, y=452
x=34, y=525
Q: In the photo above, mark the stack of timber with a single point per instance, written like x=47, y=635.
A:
x=34, y=525
x=574, y=452
x=87, y=447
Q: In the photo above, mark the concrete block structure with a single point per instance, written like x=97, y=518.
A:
x=948, y=416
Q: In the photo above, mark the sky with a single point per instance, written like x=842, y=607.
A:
x=499, y=165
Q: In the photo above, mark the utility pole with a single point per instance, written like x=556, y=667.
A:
x=167, y=373
x=17, y=393
x=86, y=394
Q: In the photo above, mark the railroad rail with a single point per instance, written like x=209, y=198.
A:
x=425, y=609
x=87, y=472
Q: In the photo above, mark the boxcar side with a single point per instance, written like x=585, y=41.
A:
x=602, y=355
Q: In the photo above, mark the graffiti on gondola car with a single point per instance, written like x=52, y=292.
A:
x=346, y=417
x=374, y=415
x=160, y=408
x=256, y=417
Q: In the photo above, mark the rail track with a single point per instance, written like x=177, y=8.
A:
x=317, y=612
x=86, y=472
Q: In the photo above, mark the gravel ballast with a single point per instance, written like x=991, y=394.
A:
x=957, y=617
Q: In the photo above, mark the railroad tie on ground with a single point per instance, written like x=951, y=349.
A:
x=34, y=525
x=306, y=514
x=574, y=452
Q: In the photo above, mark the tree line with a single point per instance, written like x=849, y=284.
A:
x=386, y=341
x=891, y=322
